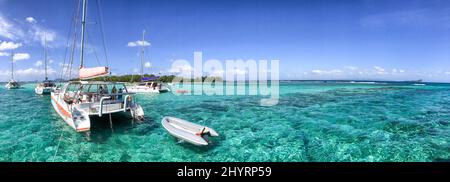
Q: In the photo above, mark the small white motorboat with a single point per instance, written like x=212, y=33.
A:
x=187, y=131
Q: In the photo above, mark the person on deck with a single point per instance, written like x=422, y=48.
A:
x=114, y=91
x=120, y=96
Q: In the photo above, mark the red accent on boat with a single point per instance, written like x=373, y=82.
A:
x=63, y=111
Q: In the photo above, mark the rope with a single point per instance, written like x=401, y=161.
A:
x=100, y=17
x=72, y=26
x=93, y=49
x=72, y=52
x=56, y=152
x=69, y=32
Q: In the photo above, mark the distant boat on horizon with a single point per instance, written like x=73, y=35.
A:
x=47, y=86
x=147, y=84
x=12, y=84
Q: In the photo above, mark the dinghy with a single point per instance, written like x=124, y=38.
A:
x=187, y=131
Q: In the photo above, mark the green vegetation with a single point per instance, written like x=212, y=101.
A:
x=137, y=78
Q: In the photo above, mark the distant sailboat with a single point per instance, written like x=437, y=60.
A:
x=46, y=86
x=77, y=101
x=12, y=84
x=147, y=84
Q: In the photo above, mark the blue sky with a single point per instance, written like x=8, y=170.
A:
x=366, y=39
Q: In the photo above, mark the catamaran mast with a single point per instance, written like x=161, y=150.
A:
x=83, y=27
x=142, y=54
x=45, y=55
x=12, y=65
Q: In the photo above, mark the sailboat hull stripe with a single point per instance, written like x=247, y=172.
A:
x=63, y=111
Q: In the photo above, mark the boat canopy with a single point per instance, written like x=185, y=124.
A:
x=95, y=86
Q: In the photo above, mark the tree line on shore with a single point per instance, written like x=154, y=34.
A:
x=137, y=78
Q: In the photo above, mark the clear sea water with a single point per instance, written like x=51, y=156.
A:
x=314, y=121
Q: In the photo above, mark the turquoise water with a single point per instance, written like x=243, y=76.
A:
x=313, y=121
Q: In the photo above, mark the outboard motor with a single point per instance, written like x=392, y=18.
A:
x=137, y=112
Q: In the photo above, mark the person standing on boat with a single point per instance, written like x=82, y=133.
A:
x=120, y=92
x=103, y=91
x=113, y=91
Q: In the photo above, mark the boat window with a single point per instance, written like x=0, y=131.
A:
x=117, y=87
x=73, y=87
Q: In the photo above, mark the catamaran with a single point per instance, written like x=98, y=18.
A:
x=79, y=101
x=147, y=84
x=12, y=84
x=47, y=85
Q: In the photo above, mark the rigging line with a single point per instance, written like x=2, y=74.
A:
x=93, y=49
x=100, y=17
x=69, y=67
x=69, y=32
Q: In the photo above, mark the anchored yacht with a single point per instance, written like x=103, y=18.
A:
x=46, y=86
x=12, y=84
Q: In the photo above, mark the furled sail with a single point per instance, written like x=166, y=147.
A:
x=86, y=73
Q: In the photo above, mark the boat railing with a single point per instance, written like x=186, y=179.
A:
x=100, y=112
x=112, y=99
x=125, y=102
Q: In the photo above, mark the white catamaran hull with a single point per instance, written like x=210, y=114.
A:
x=78, y=120
x=11, y=86
x=44, y=90
x=143, y=89
x=78, y=115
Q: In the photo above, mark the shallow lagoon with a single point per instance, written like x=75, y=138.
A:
x=314, y=121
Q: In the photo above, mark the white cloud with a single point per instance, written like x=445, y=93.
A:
x=9, y=46
x=147, y=65
x=380, y=70
x=21, y=56
x=9, y=30
x=38, y=63
x=138, y=43
x=34, y=72
x=353, y=68
x=42, y=35
x=4, y=54
x=27, y=74
x=27, y=33
x=180, y=69
x=30, y=19
x=327, y=72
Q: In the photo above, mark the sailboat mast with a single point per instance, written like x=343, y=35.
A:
x=45, y=55
x=12, y=65
x=83, y=28
x=142, y=53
